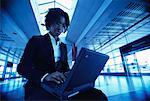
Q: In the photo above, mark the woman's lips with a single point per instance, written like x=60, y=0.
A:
x=58, y=33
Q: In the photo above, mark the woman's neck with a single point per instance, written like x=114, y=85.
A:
x=54, y=36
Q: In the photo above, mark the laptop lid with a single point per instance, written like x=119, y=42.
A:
x=86, y=68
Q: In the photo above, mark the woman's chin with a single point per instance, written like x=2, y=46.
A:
x=57, y=34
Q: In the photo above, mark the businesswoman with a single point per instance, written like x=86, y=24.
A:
x=45, y=58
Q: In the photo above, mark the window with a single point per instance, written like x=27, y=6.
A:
x=2, y=56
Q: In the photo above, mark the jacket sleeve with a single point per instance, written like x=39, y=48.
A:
x=26, y=67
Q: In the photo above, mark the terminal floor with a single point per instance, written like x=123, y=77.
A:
x=116, y=88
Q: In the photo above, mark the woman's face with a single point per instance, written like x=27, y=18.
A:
x=58, y=27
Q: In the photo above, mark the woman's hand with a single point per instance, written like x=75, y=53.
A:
x=66, y=73
x=56, y=77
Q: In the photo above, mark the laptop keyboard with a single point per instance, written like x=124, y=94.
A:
x=53, y=84
x=56, y=85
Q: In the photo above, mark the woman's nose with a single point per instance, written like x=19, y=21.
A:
x=61, y=29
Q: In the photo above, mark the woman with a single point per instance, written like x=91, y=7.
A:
x=45, y=58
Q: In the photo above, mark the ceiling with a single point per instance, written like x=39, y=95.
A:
x=18, y=24
x=41, y=7
x=95, y=23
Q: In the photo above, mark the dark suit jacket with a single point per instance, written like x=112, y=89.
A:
x=38, y=59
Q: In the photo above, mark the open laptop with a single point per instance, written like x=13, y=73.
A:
x=83, y=74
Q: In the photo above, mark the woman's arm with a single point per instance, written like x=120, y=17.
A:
x=26, y=67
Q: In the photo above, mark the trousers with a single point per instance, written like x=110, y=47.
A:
x=89, y=94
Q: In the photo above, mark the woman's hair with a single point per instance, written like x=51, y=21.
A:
x=53, y=15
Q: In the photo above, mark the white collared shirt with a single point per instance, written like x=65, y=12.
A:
x=56, y=48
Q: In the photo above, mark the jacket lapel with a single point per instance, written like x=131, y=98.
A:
x=48, y=49
x=62, y=51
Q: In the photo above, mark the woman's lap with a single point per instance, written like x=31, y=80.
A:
x=89, y=94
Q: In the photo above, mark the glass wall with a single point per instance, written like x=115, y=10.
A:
x=143, y=60
x=8, y=63
x=2, y=62
x=138, y=62
x=115, y=65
